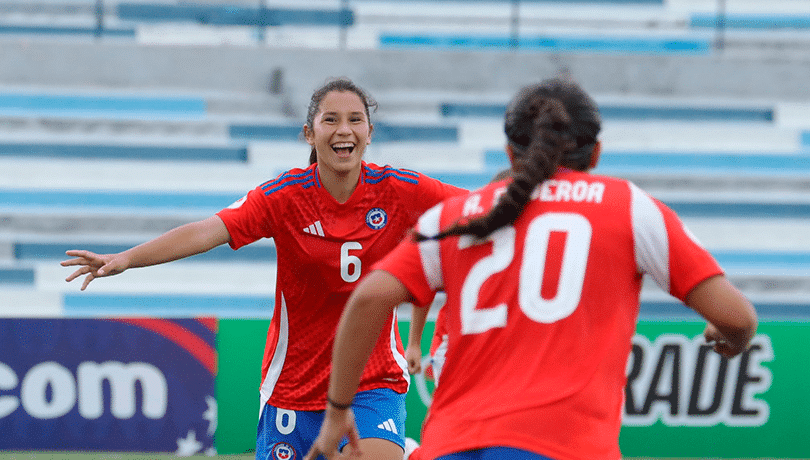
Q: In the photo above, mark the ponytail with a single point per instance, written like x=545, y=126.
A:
x=540, y=137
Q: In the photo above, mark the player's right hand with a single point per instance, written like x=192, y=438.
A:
x=93, y=265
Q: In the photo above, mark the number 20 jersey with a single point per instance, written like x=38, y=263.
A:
x=540, y=316
x=323, y=247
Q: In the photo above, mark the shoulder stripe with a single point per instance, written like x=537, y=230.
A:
x=306, y=178
x=386, y=169
x=374, y=176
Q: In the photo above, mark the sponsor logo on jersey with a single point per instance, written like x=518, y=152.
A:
x=376, y=218
x=282, y=451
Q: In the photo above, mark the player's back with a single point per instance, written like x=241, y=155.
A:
x=541, y=315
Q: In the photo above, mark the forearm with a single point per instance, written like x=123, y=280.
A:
x=727, y=309
x=418, y=320
x=363, y=319
x=184, y=241
x=357, y=333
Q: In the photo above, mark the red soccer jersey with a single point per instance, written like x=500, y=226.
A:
x=323, y=247
x=540, y=316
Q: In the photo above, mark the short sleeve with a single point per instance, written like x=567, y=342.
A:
x=248, y=219
x=665, y=249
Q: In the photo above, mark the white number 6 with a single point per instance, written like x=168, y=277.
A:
x=350, y=265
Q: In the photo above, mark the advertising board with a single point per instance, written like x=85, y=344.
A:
x=681, y=400
x=115, y=384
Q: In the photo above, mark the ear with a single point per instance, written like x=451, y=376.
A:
x=309, y=135
x=370, y=130
x=597, y=150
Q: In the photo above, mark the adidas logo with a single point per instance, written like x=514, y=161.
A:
x=314, y=229
x=388, y=425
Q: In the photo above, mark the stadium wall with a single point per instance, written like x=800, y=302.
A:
x=133, y=66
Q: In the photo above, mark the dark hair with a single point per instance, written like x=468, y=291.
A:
x=585, y=120
x=336, y=84
x=541, y=133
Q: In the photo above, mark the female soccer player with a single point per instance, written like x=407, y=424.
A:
x=543, y=273
x=330, y=222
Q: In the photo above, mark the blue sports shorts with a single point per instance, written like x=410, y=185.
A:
x=288, y=435
x=494, y=453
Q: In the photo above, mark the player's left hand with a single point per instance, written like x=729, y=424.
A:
x=337, y=423
x=413, y=355
x=716, y=338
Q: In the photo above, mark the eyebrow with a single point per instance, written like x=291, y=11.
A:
x=333, y=112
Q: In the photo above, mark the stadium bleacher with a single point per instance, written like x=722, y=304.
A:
x=131, y=153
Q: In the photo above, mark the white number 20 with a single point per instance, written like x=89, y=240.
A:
x=532, y=267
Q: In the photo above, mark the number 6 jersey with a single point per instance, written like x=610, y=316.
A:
x=323, y=247
x=540, y=315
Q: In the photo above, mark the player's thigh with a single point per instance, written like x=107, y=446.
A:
x=286, y=434
x=494, y=453
x=376, y=449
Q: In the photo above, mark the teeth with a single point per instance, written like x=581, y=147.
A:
x=346, y=145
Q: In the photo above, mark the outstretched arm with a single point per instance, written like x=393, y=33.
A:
x=732, y=320
x=178, y=243
x=366, y=312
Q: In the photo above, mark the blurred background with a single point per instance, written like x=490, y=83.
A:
x=120, y=120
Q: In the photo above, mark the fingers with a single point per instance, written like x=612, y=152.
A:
x=87, y=280
x=414, y=367
x=354, y=442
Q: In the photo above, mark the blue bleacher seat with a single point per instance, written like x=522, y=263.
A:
x=383, y=132
x=237, y=15
x=630, y=112
x=14, y=275
x=124, y=152
x=749, y=21
x=676, y=311
x=66, y=30
x=600, y=44
x=56, y=200
x=103, y=105
x=699, y=162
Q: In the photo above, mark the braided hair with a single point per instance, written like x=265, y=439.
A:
x=539, y=130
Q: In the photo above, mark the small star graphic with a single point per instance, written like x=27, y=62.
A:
x=189, y=445
x=211, y=415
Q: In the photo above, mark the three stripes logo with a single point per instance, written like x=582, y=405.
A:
x=388, y=425
x=314, y=229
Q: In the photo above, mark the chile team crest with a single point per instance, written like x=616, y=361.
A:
x=282, y=451
x=376, y=218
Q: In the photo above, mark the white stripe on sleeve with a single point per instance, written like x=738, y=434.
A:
x=429, y=250
x=650, y=238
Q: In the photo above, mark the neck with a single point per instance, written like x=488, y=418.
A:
x=340, y=185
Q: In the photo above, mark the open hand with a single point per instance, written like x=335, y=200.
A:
x=93, y=265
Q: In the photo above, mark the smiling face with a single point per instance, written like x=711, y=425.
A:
x=340, y=132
